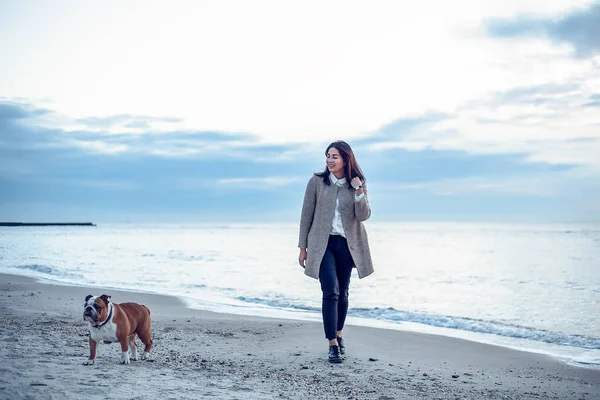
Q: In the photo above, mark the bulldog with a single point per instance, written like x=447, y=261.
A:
x=111, y=322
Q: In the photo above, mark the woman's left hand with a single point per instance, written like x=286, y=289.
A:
x=356, y=182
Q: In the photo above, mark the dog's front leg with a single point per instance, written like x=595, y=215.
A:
x=124, y=349
x=92, y=358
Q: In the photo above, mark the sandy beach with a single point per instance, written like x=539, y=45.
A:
x=200, y=354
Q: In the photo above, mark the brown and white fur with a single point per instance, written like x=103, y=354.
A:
x=112, y=322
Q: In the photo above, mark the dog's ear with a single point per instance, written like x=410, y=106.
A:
x=89, y=296
x=105, y=298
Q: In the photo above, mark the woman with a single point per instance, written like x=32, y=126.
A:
x=332, y=237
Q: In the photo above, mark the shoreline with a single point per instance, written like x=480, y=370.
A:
x=560, y=353
x=204, y=354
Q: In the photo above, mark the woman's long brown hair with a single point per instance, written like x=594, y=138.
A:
x=351, y=167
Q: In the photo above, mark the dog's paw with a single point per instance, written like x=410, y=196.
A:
x=125, y=357
x=88, y=362
x=145, y=356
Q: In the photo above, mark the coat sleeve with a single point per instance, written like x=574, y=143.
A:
x=362, y=209
x=308, y=212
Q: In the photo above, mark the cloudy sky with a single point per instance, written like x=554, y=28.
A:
x=221, y=110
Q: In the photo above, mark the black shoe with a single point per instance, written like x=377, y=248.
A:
x=334, y=354
x=341, y=344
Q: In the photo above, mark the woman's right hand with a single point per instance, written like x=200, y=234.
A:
x=302, y=257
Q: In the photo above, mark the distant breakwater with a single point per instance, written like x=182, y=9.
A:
x=47, y=224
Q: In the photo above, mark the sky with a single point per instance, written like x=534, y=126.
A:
x=193, y=111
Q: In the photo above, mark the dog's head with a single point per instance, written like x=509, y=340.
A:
x=96, y=309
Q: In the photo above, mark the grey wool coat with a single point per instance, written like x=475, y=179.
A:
x=317, y=217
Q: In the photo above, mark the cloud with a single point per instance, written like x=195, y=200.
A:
x=259, y=182
x=11, y=112
x=98, y=146
x=523, y=196
x=33, y=153
x=553, y=123
x=528, y=186
x=594, y=101
x=356, y=69
x=125, y=121
x=108, y=185
x=442, y=108
x=432, y=165
x=579, y=28
x=535, y=94
x=23, y=127
x=405, y=125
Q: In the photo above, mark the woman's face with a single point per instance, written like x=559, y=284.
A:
x=335, y=162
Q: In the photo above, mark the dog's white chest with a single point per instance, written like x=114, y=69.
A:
x=106, y=332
